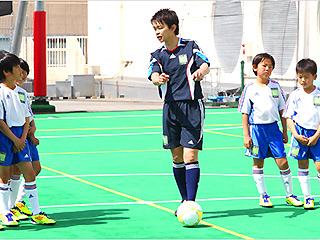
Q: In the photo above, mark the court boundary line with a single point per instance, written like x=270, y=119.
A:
x=150, y=204
x=161, y=174
x=121, y=116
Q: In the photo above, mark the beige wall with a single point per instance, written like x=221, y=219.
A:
x=64, y=18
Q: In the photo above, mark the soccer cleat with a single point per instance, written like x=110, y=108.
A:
x=16, y=213
x=23, y=208
x=308, y=203
x=265, y=201
x=294, y=201
x=9, y=221
x=1, y=227
x=42, y=219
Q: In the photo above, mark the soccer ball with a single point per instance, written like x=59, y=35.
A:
x=189, y=213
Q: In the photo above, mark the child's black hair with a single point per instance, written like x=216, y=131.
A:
x=24, y=66
x=306, y=65
x=168, y=17
x=7, y=62
x=260, y=57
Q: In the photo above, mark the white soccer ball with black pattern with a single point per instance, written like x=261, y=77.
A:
x=189, y=213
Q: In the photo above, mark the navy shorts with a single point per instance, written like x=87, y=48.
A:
x=302, y=152
x=33, y=151
x=7, y=156
x=267, y=141
x=183, y=123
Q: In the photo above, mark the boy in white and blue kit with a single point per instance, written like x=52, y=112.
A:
x=261, y=104
x=14, y=149
x=303, y=117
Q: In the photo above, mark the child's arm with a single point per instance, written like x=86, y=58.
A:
x=19, y=144
x=159, y=79
x=314, y=139
x=284, y=127
x=302, y=139
x=201, y=72
x=245, y=125
x=32, y=129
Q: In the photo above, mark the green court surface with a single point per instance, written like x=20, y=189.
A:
x=106, y=176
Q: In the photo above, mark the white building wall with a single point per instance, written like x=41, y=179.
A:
x=120, y=31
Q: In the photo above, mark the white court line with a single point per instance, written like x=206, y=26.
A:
x=160, y=174
x=122, y=116
x=125, y=134
x=100, y=135
x=157, y=202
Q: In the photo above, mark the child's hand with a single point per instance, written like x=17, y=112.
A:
x=31, y=130
x=163, y=78
x=312, y=141
x=247, y=142
x=197, y=75
x=35, y=141
x=302, y=139
x=19, y=144
x=285, y=137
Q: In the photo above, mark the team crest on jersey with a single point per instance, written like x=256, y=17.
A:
x=316, y=100
x=275, y=92
x=295, y=151
x=165, y=140
x=255, y=150
x=2, y=157
x=22, y=97
x=183, y=59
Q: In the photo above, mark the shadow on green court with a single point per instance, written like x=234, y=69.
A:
x=258, y=212
x=78, y=218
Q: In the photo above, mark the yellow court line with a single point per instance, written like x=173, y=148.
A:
x=227, y=134
x=140, y=200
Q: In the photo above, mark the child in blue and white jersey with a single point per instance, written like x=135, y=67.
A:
x=14, y=149
x=17, y=204
x=177, y=69
x=303, y=117
x=261, y=104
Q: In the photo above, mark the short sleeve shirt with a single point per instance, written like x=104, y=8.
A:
x=14, y=106
x=262, y=104
x=179, y=63
x=304, y=108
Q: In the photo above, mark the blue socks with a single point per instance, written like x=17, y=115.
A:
x=187, y=177
x=192, y=180
x=179, y=172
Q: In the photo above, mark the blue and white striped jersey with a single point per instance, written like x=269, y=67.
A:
x=179, y=63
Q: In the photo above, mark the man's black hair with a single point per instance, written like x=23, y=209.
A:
x=168, y=17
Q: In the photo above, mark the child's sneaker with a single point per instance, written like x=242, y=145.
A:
x=265, y=201
x=294, y=201
x=19, y=216
x=42, y=219
x=23, y=208
x=9, y=221
x=308, y=203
